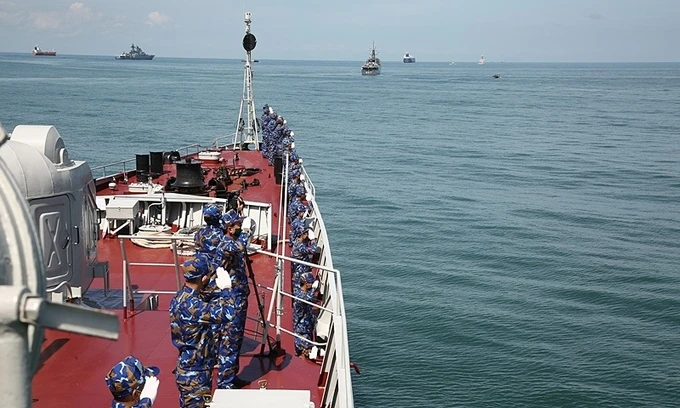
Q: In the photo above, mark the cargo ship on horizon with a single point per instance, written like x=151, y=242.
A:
x=38, y=52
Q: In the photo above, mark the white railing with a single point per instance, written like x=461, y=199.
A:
x=334, y=376
x=122, y=167
x=128, y=291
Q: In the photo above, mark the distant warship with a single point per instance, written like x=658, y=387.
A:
x=135, y=53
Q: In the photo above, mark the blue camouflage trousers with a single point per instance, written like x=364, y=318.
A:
x=231, y=339
x=195, y=387
x=303, y=325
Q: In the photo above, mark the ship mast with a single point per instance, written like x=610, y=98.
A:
x=247, y=126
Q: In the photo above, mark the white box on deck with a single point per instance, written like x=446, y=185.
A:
x=261, y=399
x=122, y=208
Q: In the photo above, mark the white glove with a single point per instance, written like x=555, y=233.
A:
x=310, y=234
x=315, y=285
x=223, y=280
x=150, y=390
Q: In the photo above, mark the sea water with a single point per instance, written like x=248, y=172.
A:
x=503, y=242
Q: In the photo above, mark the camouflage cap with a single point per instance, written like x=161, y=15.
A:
x=211, y=213
x=128, y=376
x=197, y=267
x=300, y=208
x=307, y=277
x=299, y=230
x=230, y=218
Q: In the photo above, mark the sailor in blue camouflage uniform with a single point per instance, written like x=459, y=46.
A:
x=272, y=136
x=209, y=237
x=264, y=123
x=132, y=384
x=229, y=347
x=304, y=318
x=296, y=202
x=304, y=249
x=295, y=163
x=190, y=320
x=297, y=224
x=293, y=182
x=277, y=137
x=293, y=158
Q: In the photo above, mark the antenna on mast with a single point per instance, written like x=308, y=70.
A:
x=247, y=126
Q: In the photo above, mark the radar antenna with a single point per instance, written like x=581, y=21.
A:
x=247, y=126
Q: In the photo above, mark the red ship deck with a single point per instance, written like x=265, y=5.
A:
x=72, y=367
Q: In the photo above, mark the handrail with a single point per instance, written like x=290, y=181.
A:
x=216, y=142
x=127, y=285
x=186, y=149
x=289, y=259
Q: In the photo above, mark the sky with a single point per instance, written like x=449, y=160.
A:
x=431, y=30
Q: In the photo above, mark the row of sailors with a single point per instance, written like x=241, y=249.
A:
x=278, y=140
x=276, y=135
x=304, y=246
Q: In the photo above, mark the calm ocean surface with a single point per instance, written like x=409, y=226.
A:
x=509, y=242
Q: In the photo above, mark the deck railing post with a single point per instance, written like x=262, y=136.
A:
x=176, y=258
x=123, y=256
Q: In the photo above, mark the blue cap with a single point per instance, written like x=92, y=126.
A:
x=211, y=213
x=299, y=190
x=231, y=217
x=128, y=376
x=307, y=277
x=197, y=267
x=299, y=230
x=300, y=208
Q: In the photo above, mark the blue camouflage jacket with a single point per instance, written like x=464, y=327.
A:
x=207, y=241
x=190, y=320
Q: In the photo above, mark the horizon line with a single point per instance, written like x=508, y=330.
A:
x=382, y=59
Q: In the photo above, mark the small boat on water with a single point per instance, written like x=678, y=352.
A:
x=372, y=64
x=102, y=256
x=481, y=61
x=135, y=53
x=39, y=52
x=408, y=58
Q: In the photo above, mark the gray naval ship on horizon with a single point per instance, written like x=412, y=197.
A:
x=135, y=53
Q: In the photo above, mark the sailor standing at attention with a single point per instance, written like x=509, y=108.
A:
x=264, y=122
x=190, y=320
x=304, y=318
x=132, y=385
x=229, y=348
x=304, y=249
x=209, y=237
